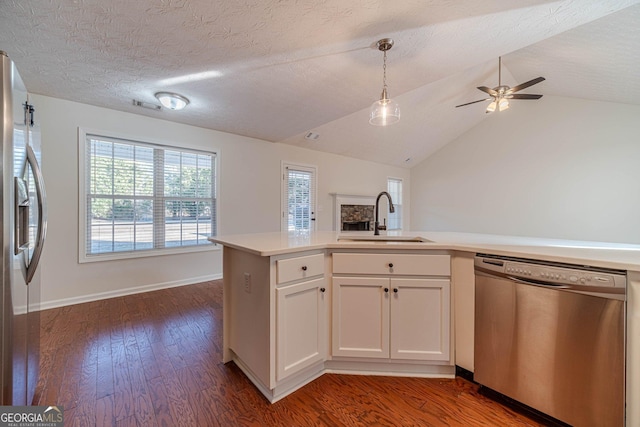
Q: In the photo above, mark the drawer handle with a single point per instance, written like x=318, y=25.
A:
x=386, y=289
x=322, y=290
x=395, y=290
x=304, y=268
x=390, y=265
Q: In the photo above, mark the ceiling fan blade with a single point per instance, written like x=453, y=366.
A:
x=523, y=96
x=469, y=103
x=488, y=90
x=525, y=85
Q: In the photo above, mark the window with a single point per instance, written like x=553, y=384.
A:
x=144, y=197
x=298, y=197
x=394, y=187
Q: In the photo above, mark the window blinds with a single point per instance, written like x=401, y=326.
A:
x=142, y=196
x=394, y=187
x=299, y=195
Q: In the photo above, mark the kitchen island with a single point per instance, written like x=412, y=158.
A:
x=301, y=304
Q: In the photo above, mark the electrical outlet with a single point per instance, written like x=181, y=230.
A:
x=247, y=282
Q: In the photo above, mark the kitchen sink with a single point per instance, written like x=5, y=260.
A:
x=408, y=239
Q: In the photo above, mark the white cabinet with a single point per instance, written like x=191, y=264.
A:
x=393, y=317
x=278, y=310
x=301, y=326
x=276, y=317
x=301, y=314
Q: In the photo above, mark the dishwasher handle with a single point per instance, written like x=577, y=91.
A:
x=538, y=283
x=533, y=282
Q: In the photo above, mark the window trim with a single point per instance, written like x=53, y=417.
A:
x=82, y=202
x=284, y=166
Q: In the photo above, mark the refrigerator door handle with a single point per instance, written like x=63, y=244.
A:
x=32, y=264
x=21, y=239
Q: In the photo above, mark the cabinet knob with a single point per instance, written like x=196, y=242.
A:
x=386, y=289
x=390, y=265
x=395, y=290
x=322, y=290
x=304, y=268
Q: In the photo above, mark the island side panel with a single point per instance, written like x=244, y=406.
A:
x=463, y=291
x=247, y=311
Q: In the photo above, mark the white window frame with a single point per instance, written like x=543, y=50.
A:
x=82, y=201
x=397, y=203
x=284, y=193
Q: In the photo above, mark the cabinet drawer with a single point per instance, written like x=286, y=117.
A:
x=297, y=268
x=400, y=264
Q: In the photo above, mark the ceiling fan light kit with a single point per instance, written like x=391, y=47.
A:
x=384, y=111
x=502, y=105
x=501, y=94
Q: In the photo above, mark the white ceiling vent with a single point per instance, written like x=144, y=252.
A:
x=312, y=136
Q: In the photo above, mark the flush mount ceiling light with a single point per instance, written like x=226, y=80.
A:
x=172, y=101
x=385, y=111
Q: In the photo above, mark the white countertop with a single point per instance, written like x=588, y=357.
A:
x=599, y=254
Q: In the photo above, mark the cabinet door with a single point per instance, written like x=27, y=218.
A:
x=420, y=319
x=301, y=323
x=360, y=317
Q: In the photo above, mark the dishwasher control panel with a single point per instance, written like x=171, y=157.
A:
x=552, y=273
x=559, y=275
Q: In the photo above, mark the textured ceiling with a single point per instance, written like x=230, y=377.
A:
x=276, y=69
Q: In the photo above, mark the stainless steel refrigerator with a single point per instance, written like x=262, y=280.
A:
x=23, y=220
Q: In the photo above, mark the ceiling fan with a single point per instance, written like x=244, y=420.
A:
x=500, y=95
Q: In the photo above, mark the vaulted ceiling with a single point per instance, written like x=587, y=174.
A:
x=277, y=69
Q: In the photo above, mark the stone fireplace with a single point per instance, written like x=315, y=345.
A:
x=354, y=213
x=356, y=217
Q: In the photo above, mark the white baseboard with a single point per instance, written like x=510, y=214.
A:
x=45, y=305
x=285, y=387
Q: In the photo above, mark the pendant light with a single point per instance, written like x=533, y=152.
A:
x=385, y=111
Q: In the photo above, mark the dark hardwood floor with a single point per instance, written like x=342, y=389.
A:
x=155, y=359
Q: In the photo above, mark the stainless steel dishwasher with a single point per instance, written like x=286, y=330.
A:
x=551, y=336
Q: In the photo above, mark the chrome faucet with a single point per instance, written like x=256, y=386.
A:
x=376, y=227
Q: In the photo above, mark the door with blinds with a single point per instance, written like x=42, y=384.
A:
x=298, y=197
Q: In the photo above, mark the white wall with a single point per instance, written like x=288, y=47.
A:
x=557, y=167
x=249, y=197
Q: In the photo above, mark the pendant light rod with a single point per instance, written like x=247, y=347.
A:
x=499, y=70
x=384, y=45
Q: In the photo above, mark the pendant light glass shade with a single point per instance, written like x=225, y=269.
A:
x=172, y=101
x=385, y=111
